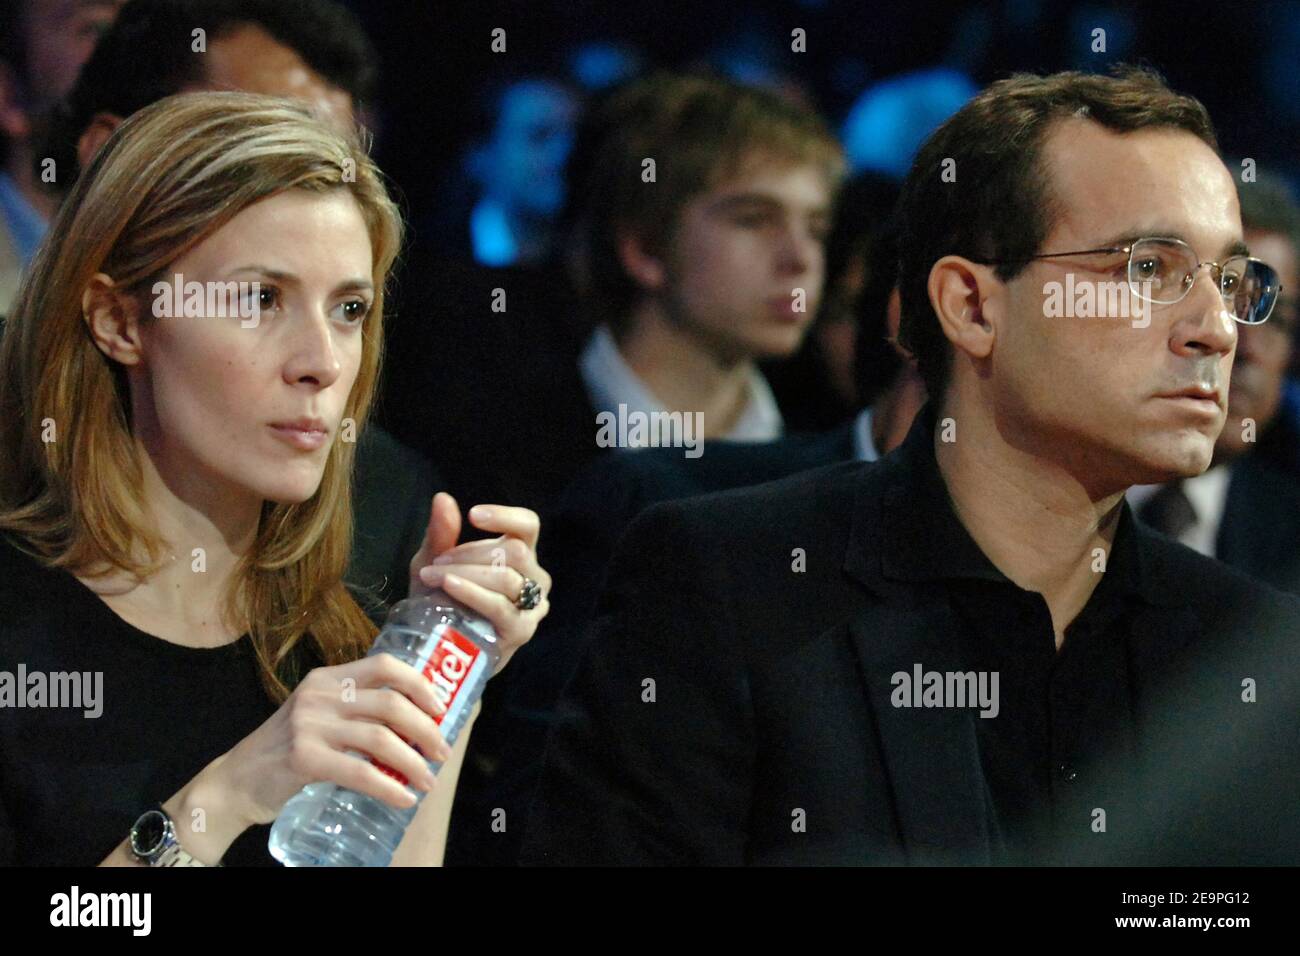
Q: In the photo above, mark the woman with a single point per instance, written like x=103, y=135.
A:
x=181, y=385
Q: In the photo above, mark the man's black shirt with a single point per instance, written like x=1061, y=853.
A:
x=768, y=732
x=1060, y=714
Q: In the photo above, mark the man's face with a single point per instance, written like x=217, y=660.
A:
x=61, y=35
x=250, y=60
x=1263, y=351
x=740, y=252
x=525, y=159
x=1094, y=393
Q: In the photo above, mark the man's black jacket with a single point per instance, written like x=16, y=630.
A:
x=1260, y=529
x=503, y=763
x=771, y=695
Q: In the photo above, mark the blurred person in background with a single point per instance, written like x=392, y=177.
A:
x=312, y=51
x=817, y=388
x=1245, y=508
x=502, y=209
x=697, y=215
x=715, y=262
x=43, y=44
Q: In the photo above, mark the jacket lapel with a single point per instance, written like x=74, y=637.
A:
x=931, y=754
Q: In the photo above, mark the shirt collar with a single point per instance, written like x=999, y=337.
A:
x=864, y=442
x=611, y=382
x=26, y=225
x=1208, y=493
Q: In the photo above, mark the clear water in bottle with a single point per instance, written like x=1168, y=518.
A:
x=456, y=650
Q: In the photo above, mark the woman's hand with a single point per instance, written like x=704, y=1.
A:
x=486, y=575
x=372, y=706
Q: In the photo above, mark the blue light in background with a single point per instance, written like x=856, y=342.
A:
x=889, y=122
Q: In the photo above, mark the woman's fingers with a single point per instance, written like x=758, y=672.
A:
x=508, y=620
x=442, y=532
x=360, y=775
x=386, y=670
x=516, y=522
x=393, y=709
x=504, y=580
x=378, y=742
x=486, y=551
x=498, y=552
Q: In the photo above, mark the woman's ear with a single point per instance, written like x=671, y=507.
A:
x=965, y=297
x=113, y=319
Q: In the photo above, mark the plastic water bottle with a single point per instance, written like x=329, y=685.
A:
x=456, y=650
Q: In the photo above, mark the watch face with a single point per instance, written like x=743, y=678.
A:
x=147, y=834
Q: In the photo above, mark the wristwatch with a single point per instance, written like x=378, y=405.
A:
x=153, y=841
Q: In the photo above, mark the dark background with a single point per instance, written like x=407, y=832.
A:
x=1242, y=59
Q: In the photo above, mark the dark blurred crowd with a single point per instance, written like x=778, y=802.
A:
x=544, y=311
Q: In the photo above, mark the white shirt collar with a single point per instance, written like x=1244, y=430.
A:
x=864, y=443
x=1208, y=494
x=611, y=382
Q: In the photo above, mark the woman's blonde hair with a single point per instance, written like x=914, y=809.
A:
x=71, y=486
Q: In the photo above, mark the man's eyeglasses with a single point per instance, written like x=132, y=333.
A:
x=1162, y=271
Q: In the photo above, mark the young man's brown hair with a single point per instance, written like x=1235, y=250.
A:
x=699, y=130
x=1000, y=205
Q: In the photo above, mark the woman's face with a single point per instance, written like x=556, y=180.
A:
x=250, y=396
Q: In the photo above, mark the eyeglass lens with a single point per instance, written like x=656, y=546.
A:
x=1163, y=270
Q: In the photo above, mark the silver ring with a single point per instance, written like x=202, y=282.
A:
x=530, y=595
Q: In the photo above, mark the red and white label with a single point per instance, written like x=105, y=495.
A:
x=453, y=658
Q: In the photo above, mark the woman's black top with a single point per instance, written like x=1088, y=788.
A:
x=100, y=721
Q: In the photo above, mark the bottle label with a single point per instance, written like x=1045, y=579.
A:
x=452, y=668
x=448, y=669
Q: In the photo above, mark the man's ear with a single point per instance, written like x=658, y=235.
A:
x=894, y=320
x=14, y=122
x=645, y=269
x=965, y=296
x=113, y=318
x=94, y=136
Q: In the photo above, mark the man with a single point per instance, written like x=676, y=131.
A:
x=43, y=44
x=504, y=762
x=312, y=50
x=715, y=262
x=501, y=207
x=698, y=211
x=968, y=651
x=308, y=50
x=1245, y=508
